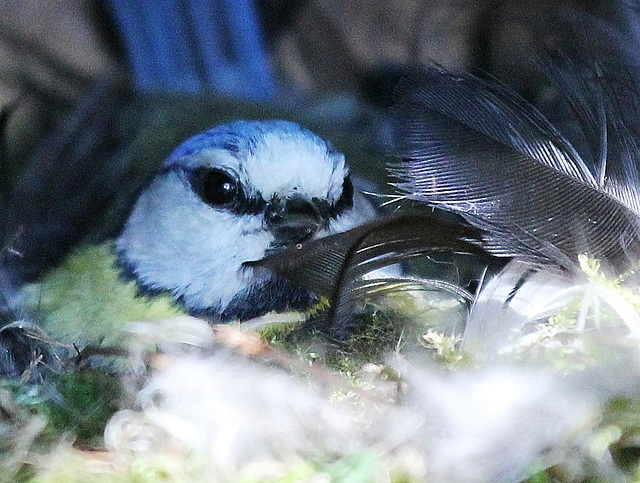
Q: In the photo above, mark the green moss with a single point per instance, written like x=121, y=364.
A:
x=384, y=323
x=445, y=348
x=362, y=467
x=79, y=403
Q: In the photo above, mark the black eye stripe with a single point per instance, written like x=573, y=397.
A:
x=221, y=189
x=215, y=187
x=345, y=202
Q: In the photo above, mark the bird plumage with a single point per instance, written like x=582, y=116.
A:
x=86, y=300
x=224, y=197
x=186, y=238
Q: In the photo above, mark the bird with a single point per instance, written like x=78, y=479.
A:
x=227, y=196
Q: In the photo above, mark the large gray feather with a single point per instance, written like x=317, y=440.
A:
x=473, y=147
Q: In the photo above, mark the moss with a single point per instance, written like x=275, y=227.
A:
x=361, y=467
x=78, y=403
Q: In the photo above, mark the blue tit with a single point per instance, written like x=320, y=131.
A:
x=227, y=196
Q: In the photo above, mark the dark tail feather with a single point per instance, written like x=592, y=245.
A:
x=330, y=266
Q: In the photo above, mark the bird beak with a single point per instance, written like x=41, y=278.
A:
x=292, y=220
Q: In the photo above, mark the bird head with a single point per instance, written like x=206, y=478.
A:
x=232, y=195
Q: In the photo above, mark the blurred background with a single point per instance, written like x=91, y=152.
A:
x=288, y=53
x=97, y=92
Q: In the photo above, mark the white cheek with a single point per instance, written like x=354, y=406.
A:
x=176, y=242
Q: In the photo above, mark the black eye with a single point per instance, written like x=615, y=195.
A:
x=345, y=201
x=214, y=186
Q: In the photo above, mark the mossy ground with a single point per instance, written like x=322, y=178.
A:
x=74, y=405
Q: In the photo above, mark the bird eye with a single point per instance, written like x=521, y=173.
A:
x=214, y=186
x=346, y=198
